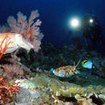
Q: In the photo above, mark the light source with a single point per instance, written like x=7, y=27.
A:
x=91, y=20
x=74, y=22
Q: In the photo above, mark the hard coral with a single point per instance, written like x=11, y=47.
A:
x=29, y=29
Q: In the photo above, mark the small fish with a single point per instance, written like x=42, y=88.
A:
x=88, y=64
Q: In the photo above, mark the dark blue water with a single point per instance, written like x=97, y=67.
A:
x=54, y=14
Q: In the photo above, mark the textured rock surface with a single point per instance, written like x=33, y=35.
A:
x=45, y=90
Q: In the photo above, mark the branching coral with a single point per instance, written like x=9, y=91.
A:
x=29, y=29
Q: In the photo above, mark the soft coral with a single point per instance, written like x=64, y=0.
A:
x=7, y=90
x=28, y=28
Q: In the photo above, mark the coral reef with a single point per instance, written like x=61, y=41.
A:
x=34, y=83
x=39, y=87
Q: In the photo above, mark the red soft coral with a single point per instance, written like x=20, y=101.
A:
x=7, y=91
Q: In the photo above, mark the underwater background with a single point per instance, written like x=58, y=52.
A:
x=52, y=52
x=54, y=14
